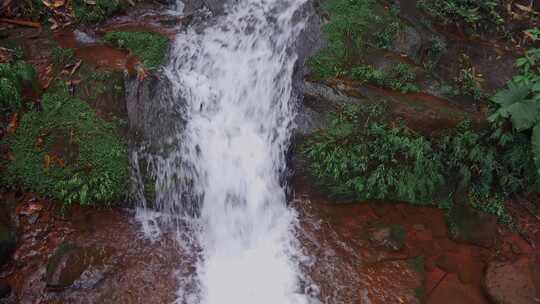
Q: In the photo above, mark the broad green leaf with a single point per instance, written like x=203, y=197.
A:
x=536, y=87
x=515, y=92
x=535, y=140
x=524, y=115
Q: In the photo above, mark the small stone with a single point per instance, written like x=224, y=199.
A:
x=392, y=237
x=516, y=249
x=32, y=219
x=419, y=227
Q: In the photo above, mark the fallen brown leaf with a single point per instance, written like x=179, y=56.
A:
x=13, y=123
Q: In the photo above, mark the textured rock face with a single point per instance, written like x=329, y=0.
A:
x=408, y=42
x=514, y=282
x=8, y=242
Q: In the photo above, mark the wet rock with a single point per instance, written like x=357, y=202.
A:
x=452, y=291
x=8, y=242
x=390, y=237
x=514, y=282
x=66, y=266
x=5, y=290
x=408, y=42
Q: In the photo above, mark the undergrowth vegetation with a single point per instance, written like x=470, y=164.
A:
x=150, y=47
x=84, y=11
x=66, y=152
x=13, y=76
x=400, y=77
x=365, y=155
x=96, y=11
x=474, y=15
x=519, y=102
x=354, y=25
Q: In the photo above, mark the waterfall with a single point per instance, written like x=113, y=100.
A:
x=218, y=174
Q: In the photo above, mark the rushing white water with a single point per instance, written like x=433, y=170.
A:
x=235, y=77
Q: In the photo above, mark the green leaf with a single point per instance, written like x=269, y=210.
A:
x=535, y=140
x=515, y=92
x=536, y=87
x=525, y=114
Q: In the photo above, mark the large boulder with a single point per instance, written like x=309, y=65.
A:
x=516, y=282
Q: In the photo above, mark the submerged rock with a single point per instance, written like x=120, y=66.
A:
x=72, y=265
x=514, y=282
x=390, y=237
x=65, y=266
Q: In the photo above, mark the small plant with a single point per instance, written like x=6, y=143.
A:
x=519, y=102
x=150, y=47
x=400, y=77
x=354, y=25
x=492, y=204
x=477, y=15
x=95, y=11
x=13, y=75
x=66, y=152
x=363, y=157
x=385, y=38
x=469, y=84
x=435, y=52
x=533, y=34
x=371, y=160
x=61, y=56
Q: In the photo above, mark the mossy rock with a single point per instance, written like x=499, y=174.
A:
x=68, y=153
x=65, y=266
x=150, y=47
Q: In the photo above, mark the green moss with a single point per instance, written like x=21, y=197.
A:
x=92, y=13
x=150, y=47
x=420, y=292
x=13, y=76
x=68, y=153
x=354, y=25
x=418, y=264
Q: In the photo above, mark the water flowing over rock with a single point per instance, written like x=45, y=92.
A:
x=217, y=170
